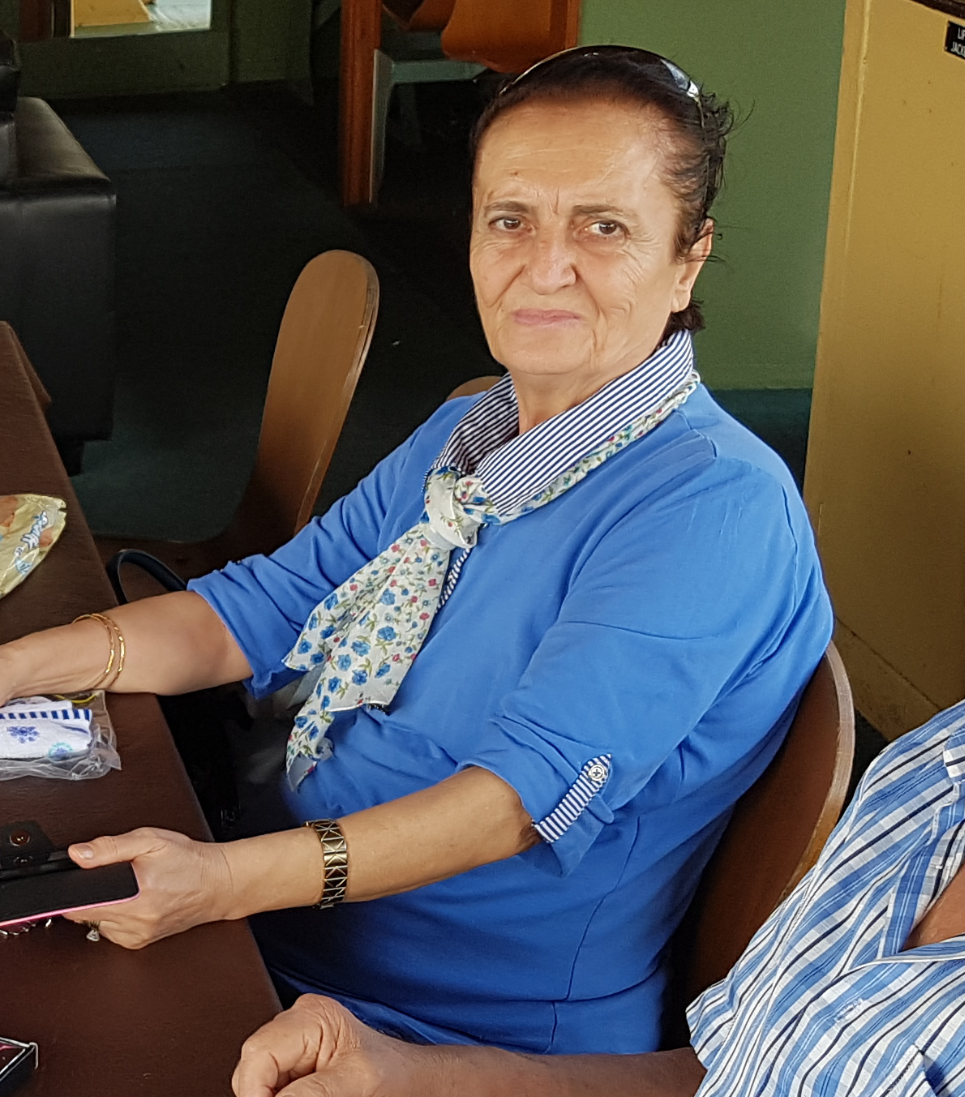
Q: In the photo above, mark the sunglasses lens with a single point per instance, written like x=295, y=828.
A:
x=682, y=80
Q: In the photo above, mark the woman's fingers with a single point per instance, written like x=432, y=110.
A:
x=111, y=849
x=182, y=884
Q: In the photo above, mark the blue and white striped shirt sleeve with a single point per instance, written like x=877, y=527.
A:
x=827, y=998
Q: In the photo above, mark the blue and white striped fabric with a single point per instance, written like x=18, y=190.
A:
x=514, y=467
x=824, y=1001
x=593, y=776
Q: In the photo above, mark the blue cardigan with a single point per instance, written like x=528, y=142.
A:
x=665, y=612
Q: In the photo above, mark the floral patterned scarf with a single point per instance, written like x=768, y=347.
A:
x=360, y=641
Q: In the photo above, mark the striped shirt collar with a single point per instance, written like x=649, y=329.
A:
x=514, y=467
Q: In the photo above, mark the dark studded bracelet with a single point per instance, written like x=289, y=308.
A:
x=334, y=861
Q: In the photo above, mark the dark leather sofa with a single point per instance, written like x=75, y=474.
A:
x=57, y=261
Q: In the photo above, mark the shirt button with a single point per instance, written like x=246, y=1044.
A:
x=597, y=773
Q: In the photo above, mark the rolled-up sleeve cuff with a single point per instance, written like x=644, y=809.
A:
x=593, y=776
x=562, y=793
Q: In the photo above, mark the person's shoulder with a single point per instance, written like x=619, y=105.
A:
x=415, y=455
x=731, y=445
x=700, y=457
x=914, y=760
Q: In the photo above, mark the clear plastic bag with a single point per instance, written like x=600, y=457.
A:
x=98, y=759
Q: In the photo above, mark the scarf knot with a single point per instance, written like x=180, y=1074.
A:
x=359, y=642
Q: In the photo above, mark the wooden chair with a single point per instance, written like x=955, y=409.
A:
x=321, y=347
x=774, y=836
x=507, y=36
x=501, y=34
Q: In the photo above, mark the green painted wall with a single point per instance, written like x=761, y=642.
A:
x=777, y=61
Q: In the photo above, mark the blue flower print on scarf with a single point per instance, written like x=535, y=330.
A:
x=375, y=623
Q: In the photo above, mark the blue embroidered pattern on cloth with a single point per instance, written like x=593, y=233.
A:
x=360, y=641
x=33, y=728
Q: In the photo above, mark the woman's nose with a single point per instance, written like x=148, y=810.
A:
x=551, y=263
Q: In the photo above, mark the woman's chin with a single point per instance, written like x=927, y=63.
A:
x=557, y=355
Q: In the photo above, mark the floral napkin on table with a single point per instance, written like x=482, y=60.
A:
x=38, y=727
x=29, y=525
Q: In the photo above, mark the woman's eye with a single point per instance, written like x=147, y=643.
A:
x=606, y=228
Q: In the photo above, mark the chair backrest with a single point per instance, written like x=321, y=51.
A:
x=432, y=15
x=322, y=343
x=508, y=36
x=420, y=15
x=778, y=828
x=476, y=384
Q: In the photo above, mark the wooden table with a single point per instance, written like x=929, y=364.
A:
x=168, y=1020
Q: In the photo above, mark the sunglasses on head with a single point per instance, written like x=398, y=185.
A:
x=661, y=66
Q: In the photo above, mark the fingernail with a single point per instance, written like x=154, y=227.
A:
x=84, y=851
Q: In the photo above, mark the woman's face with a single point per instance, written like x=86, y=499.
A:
x=572, y=250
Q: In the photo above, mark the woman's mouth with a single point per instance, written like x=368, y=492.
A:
x=544, y=318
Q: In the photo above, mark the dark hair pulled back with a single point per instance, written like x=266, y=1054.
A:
x=696, y=125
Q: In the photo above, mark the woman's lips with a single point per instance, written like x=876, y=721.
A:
x=544, y=318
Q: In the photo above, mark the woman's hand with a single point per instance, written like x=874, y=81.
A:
x=318, y=1049
x=183, y=884
x=470, y=819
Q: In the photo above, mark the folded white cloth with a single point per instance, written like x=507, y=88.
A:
x=37, y=727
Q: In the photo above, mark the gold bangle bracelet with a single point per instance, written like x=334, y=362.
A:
x=121, y=652
x=334, y=860
x=118, y=650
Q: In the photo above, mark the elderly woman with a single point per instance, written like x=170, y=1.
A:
x=552, y=638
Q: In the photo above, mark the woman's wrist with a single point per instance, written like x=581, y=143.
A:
x=272, y=872
x=65, y=659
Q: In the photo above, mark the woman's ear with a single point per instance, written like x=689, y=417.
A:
x=691, y=265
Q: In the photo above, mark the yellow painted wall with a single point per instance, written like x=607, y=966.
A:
x=886, y=462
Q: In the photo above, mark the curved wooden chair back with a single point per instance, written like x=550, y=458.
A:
x=432, y=15
x=477, y=384
x=508, y=36
x=321, y=347
x=322, y=343
x=775, y=834
x=420, y=15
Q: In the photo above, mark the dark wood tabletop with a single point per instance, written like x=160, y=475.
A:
x=171, y=1018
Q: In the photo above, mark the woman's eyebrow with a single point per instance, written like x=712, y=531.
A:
x=601, y=211
x=507, y=206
